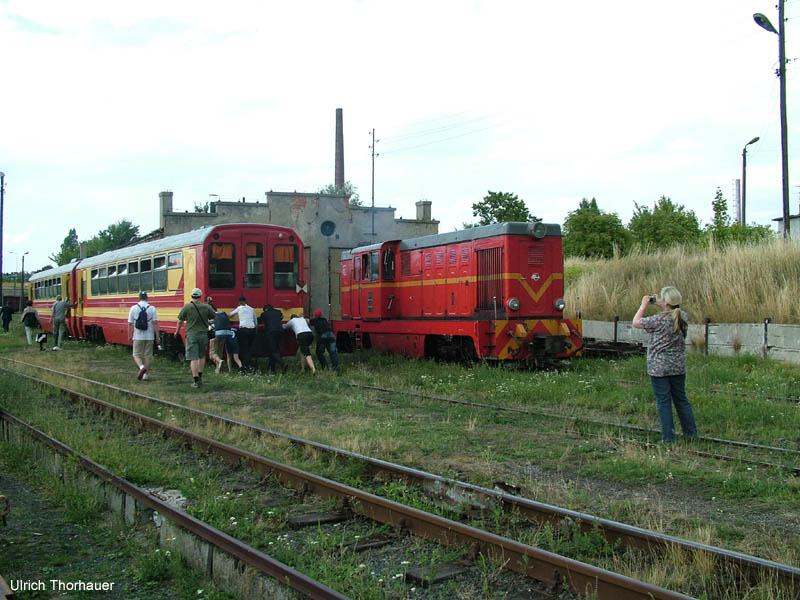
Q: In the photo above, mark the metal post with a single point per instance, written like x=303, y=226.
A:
x=784, y=128
x=22, y=283
x=707, y=321
x=373, y=183
x=744, y=182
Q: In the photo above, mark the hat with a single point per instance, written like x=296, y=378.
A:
x=197, y=292
x=318, y=313
x=242, y=299
x=142, y=295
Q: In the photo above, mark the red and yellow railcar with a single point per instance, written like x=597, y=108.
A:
x=493, y=292
x=263, y=263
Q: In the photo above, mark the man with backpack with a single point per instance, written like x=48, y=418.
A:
x=143, y=332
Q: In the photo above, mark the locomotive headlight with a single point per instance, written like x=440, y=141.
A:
x=513, y=304
x=560, y=304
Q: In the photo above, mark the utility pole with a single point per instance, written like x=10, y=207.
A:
x=2, y=194
x=372, y=147
x=784, y=128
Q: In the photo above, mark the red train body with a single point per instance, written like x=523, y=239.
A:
x=493, y=292
x=264, y=263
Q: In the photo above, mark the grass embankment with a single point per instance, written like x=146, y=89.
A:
x=734, y=284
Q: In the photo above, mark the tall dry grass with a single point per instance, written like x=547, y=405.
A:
x=733, y=284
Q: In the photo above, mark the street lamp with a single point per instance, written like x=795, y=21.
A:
x=763, y=21
x=744, y=175
x=22, y=282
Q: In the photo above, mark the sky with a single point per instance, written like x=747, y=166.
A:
x=105, y=104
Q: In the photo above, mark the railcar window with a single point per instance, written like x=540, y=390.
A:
x=175, y=260
x=112, y=279
x=122, y=278
x=133, y=276
x=285, y=267
x=388, y=265
x=374, y=266
x=255, y=265
x=146, y=274
x=95, y=282
x=160, y=273
x=221, y=266
x=357, y=268
x=103, y=280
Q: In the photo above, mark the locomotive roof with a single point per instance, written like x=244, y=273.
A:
x=463, y=235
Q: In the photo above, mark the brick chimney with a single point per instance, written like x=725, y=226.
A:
x=165, y=204
x=424, y=210
x=339, y=175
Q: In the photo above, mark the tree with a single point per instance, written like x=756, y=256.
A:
x=501, y=207
x=69, y=249
x=114, y=236
x=666, y=225
x=591, y=233
x=723, y=231
x=348, y=190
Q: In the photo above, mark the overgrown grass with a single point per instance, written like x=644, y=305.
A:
x=732, y=284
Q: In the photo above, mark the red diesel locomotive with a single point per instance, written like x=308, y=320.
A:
x=493, y=292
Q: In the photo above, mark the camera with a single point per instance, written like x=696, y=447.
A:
x=652, y=299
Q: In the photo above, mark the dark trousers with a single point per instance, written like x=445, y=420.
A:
x=327, y=342
x=5, y=323
x=274, y=349
x=246, y=337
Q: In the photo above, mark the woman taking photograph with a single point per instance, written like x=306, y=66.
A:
x=666, y=360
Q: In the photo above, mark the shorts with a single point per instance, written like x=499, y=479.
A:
x=196, y=345
x=304, y=340
x=143, y=348
x=231, y=344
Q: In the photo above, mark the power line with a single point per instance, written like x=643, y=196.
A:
x=441, y=140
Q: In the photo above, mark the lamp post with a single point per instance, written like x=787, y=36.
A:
x=2, y=194
x=763, y=21
x=22, y=282
x=744, y=175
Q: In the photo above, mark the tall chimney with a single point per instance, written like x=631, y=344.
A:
x=339, y=176
x=165, y=205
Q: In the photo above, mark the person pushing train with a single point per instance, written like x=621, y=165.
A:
x=197, y=315
x=60, y=309
x=247, y=331
x=304, y=338
x=325, y=341
x=272, y=319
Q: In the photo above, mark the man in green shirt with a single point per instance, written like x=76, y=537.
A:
x=196, y=315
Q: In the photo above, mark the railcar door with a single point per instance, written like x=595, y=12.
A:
x=253, y=268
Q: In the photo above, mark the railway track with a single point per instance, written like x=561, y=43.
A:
x=481, y=499
x=586, y=425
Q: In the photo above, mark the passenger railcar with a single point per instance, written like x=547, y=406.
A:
x=493, y=292
x=263, y=263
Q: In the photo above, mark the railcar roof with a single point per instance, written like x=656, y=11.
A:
x=196, y=236
x=464, y=235
x=47, y=273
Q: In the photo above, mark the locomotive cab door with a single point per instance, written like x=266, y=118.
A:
x=253, y=267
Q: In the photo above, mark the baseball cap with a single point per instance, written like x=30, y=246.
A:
x=318, y=313
x=142, y=295
x=197, y=292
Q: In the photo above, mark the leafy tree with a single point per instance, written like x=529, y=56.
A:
x=202, y=208
x=589, y=232
x=723, y=231
x=666, y=225
x=69, y=249
x=348, y=190
x=500, y=207
x=114, y=236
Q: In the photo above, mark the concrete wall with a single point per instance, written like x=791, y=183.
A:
x=768, y=340
x=327, y=225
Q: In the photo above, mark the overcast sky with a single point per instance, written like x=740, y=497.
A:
x=105, y=104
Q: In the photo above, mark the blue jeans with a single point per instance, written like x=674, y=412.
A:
x=671, y=390
x=327, y=341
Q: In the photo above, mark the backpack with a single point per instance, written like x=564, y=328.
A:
x=141, y=320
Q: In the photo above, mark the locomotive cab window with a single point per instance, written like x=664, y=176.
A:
x=221, y=266
x=388, y=265
x=255, y=265
x=374, y=266
x=285, y=266
x=357, y=268
x=365, y=266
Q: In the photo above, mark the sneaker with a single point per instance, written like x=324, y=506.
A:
x=195, y=384
x=145, y=377
x=56, y=348
x=142, y=373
